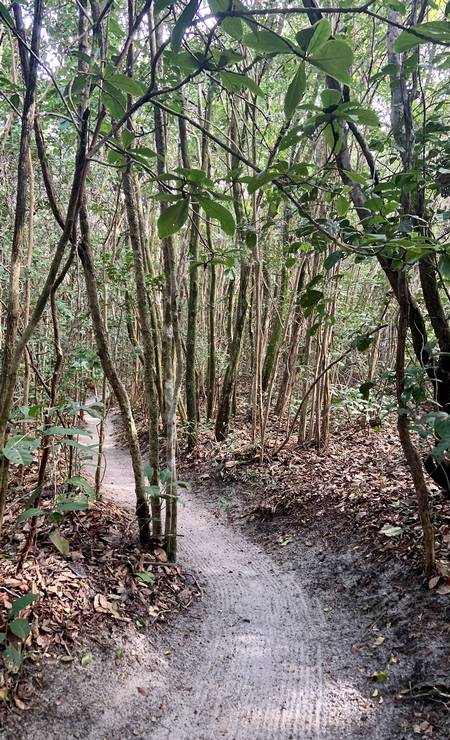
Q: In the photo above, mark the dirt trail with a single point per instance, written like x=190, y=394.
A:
x=254, y=659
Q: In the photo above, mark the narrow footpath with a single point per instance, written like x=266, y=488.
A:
x=253, y=659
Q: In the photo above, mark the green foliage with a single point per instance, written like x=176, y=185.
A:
x=20, y=449
x=220, y=213
x=295, y=91
x=335, y=57
x=173, y=218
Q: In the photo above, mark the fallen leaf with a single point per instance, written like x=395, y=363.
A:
x=390, y=531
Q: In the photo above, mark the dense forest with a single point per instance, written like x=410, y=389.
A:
x=224, y=228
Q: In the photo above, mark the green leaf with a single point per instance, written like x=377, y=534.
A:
x=20, y=450
x=380, y=676
x=114, y=27
x=295, y=91
x=333, y=259
x=60, y=542
x=335, y=58
x=166, y=476
x=128, y=85
x=342, y=205
x=72, y=505
x=172, y=218
x=312, y=38
x=28, y=514
x=217, y=211
x=254, y=182
x=310, y=298
x=80, y=482
x=86, y=660
x=143, y=151
x=116, y=158
x=235, y=82
x=330, y=97
x=20, y=628
x=357, y=114
x=6, y=16
x=365, y=389
x=185, y=20
x=153, y=491
x=232, y=26
x=114, y=100
x=21, y=603
x=96, y=410
x=390, y=531
x=127, y=138
x=362, y=342
x=148, y=472
x=266, y=42
x=66, y=431
x=145, y=576
x=433, y=31
x=12, y=657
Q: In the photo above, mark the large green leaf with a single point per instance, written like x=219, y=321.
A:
x=217, y=211
x=172, y=218
x=235, y=82
x=60, y=542
x=20, y=628
x=232, y=26
x=114, y=100
x=183, y=22
x=267, y=42
x=128, y=85
x=66, y=431
x=79, y=482
x=335, y=58
x=20, y=450
x=311, y=39
x=28, y=514
x=295, y=91
x=432, y=31
x=21, y=603
x=357, y=114
x=12, y=658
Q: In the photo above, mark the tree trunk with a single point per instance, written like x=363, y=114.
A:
x=101, y=338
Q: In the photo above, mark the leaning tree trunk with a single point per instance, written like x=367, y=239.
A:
x=412, y=456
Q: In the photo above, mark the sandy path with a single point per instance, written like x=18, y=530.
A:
x=253, y=660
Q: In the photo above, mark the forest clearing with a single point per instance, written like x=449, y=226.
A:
x=224, y=369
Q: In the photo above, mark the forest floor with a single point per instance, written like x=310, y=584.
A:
x=312, y=623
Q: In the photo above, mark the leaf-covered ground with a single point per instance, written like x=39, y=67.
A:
x=104, y=585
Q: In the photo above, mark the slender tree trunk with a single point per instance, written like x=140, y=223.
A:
x=211, y=372
x=229, y=381
x=101, y=338
x=410, y=452
x=191, y=334
x=171, y=340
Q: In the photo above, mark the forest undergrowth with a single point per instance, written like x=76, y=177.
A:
x=81, y=589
